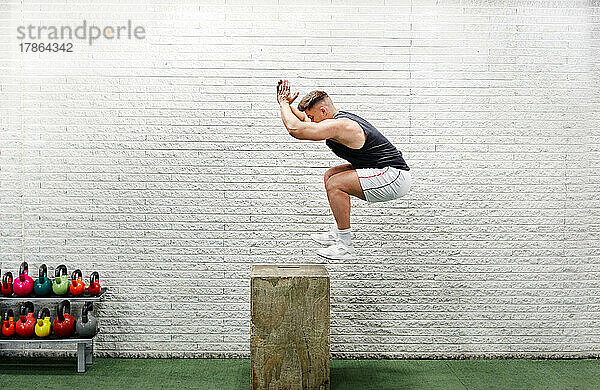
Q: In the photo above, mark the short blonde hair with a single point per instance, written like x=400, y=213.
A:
x=311, y=99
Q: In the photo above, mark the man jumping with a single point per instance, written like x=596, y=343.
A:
x=376, y=171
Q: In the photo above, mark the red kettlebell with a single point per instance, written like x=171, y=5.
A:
x=77, y=286
x=64, y=323
x=25, y=326
x=8, y=326
x=23, y=285
x=95, y=287
x=7, y=281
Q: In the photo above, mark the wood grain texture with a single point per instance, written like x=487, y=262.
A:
x=289, y=343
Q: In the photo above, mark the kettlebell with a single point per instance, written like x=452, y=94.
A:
x=94, y=287
x=77, y=285
x=7, y=281
x=87, y=325
x=43, y=325
x=42, y=285
x=64, y=323
x=60, y=286
x=25, y=326
x=23, y=285
x=8, y=326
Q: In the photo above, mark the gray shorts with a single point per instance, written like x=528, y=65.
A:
x=383, y=184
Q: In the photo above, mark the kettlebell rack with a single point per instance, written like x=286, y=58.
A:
x=86, y=297
x=85, y=346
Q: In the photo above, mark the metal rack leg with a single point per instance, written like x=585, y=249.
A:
x=81, y=357
x=89, y=353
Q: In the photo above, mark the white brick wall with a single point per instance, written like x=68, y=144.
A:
x=163, y=164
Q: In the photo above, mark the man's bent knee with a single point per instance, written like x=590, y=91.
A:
x=334, y=171
x=330, y=172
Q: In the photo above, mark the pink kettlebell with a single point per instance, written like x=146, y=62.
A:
x=23, y=284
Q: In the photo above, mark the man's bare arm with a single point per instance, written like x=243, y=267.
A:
x=299, y=129
x=329, y=128
x=299, y=114
x=290, y=120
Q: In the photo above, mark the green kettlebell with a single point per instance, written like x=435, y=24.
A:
x=61, y=283
x=42, y=286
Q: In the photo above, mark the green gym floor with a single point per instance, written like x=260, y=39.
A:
x=226, y=374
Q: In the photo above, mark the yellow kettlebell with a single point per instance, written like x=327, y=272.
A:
x=43, y=324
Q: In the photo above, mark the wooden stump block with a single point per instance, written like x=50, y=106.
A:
x=289, y=341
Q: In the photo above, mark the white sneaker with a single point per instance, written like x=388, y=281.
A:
x=338, y=251
x=327, y=238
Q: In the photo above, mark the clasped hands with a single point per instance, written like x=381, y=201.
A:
x=283, y=92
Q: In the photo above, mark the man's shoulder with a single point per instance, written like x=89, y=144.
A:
x=349, y=132
x=346, y=123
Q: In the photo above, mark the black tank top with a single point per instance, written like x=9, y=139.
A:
x=377, y=152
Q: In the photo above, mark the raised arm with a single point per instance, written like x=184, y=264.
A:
x=299, y=114
x=329, y=128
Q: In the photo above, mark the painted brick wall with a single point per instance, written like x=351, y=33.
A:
x=592, y=294
x=163, y=164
